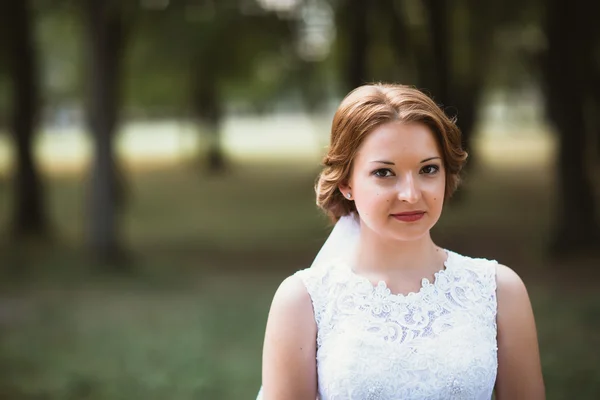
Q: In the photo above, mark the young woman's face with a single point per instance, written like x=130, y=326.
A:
x=398, y=181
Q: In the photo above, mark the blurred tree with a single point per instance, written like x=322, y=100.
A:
x=29, y=214
x=448, y=45
x=568, y=70
x=442, y=47
x=595, y=112
x=354, y=27
x=59, y=38
x=218, y=48
x=4, y=82
x=106, y=35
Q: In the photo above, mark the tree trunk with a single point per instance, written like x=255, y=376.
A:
x=206, y=104
x=438, y=65
x=356, y=26
x=465, y=101
x=400, y=36
x=565, y=75
x=216, y=162
x=105, y=34
x=595, y=112
x=29, y=215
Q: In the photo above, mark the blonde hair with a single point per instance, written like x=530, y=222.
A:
x=363, y=110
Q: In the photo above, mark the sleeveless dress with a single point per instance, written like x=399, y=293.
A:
x=437, y=343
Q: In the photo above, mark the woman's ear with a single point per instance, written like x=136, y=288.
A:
x=345, y=189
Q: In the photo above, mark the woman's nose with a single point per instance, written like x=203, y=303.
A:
x=408, y=190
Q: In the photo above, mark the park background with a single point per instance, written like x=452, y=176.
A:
x=158, y=158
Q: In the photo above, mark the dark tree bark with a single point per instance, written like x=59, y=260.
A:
x=29, y=215
x=105, y=32
x=566, y=68
x=354, y=23
x=464, y=105
x=437, y=67
x=206, y=103
x=400, y=36
x=595, y=112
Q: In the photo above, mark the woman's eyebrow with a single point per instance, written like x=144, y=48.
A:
x=383, y=162
x=430, y=158
x=391, y=163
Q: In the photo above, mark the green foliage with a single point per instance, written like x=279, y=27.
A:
x=60, y=46
x=167, y=51
x=209, y=43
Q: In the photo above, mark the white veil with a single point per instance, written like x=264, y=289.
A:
x=341, y=242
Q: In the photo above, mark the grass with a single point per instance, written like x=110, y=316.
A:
x=209, y=253
x=132, y=342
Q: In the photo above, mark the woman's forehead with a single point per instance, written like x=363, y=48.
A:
x=398, y=139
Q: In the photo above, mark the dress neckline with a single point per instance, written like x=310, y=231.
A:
x=381, y=286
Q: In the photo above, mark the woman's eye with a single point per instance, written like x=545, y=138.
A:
x=430, y=169
x=382, y=173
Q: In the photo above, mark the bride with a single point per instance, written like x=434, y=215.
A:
x=383, y=312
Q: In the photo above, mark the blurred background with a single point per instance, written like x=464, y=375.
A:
x=158, y=157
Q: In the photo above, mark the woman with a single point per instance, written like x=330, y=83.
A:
x=384, y=313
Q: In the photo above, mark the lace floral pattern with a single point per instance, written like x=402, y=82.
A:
x=438, y=343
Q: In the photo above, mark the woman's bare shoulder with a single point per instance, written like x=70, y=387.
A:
x=509, y=283
x=292, y=294
x=289, y=351
x=519, y=367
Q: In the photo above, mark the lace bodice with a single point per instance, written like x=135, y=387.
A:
x=438, y=343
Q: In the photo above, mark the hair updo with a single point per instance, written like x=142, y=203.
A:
x=363, y=110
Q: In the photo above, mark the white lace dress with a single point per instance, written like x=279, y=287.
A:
x=438, y=343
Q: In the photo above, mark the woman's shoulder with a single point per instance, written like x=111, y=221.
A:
x=292, y=299
x=510, y=284
x=304, y=294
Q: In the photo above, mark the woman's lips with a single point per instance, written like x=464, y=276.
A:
x=409, y=216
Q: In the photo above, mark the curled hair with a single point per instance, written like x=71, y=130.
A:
x=363, y=110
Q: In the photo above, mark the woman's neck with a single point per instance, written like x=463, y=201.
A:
x=419, y=257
